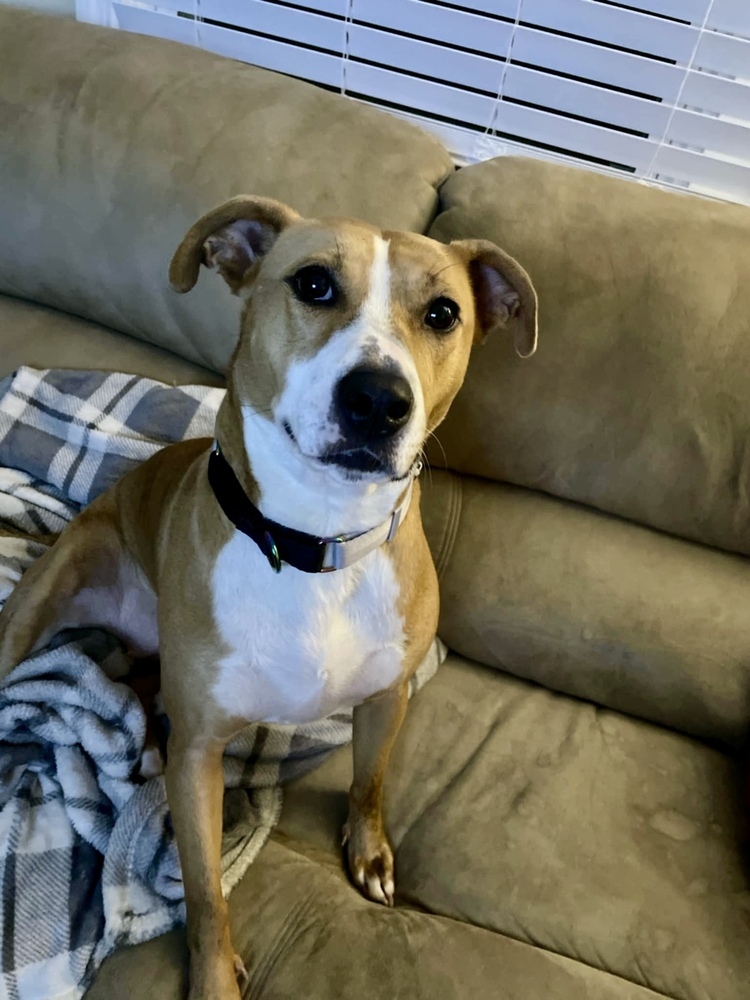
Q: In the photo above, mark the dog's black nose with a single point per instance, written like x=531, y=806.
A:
x=373, y=404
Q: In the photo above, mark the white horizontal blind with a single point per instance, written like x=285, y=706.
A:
x=657, y=89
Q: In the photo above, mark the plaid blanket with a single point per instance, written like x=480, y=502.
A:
x=87, y=856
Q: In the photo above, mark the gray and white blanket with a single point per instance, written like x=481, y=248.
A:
x=88, y=861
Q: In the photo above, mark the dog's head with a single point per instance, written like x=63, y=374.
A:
x=354, y=341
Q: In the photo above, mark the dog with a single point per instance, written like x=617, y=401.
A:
x=281, y=571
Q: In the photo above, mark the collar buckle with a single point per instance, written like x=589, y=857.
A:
x=272, y=553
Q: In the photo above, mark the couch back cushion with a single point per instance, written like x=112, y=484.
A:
x=637, y=401
x=591, y=605
x=113, y=144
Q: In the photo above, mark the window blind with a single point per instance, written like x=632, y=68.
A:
x=656, y=89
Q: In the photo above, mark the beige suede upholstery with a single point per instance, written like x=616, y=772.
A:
x=592, y=605
x=315, y=938
x=590, y=835
x=564, y=798
x=36, y=335
x=544, y=848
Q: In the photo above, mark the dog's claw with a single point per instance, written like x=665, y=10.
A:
x=375, y=891
x=380, y=890
x=370, y=862
x=389, y=890
x=345, y=834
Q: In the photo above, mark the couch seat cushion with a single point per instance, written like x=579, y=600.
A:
x=586, y=833
x=40, y=337
x=544, y=848
x=304, y=932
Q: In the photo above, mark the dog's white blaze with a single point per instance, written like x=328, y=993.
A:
x=373, y=329
x=376, y=308
x=290, y=485
x=303, y=645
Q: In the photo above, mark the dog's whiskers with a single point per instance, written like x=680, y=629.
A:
x=426, y=463
x=434, y=436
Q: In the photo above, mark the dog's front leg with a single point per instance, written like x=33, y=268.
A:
x=376, y=726
x=195, y=790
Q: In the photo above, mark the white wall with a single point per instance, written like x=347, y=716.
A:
x=66, y=7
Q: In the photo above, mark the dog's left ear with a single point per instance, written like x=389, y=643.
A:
x=230, y=238
x=502, y=291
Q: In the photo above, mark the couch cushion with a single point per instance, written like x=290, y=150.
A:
x=305, y=932
x=590, y=835
x=112, y=144
x=637, y=401
x=45, y=338
x=592, y=605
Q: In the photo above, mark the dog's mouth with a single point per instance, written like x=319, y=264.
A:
x=356, y=462
x=361, y=459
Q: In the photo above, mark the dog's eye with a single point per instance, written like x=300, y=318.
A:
x=442, y=314
x=315, y=285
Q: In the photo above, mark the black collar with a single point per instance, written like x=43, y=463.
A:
x=280, y=544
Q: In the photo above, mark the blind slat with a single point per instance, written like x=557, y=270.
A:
x=500, y=8
x=715, y=135
x=724, y=54
x=583, y=59
x=714, y=175
x=718, y=95
x=680, y=10
x=337, y=7
x=286, y=22
x=732, y=16
x=438, y=24
x=617, y=26
x=425, y=58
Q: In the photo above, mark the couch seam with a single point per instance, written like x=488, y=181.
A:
x=437, y=186
x=293, y=920
x=657, y=995
x=260, y=977
x=450, y=532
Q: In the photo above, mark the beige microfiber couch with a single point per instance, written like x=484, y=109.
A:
x=564, y=798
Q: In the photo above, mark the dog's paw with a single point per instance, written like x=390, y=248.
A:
x=370, y=861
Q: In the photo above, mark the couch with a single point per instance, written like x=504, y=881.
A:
x=565, y=797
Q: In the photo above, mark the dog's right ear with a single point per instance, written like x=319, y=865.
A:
x=230, y=238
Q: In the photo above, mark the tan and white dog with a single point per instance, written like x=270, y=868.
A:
x=353, y=344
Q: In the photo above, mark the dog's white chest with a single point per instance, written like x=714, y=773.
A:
x=303, y=645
